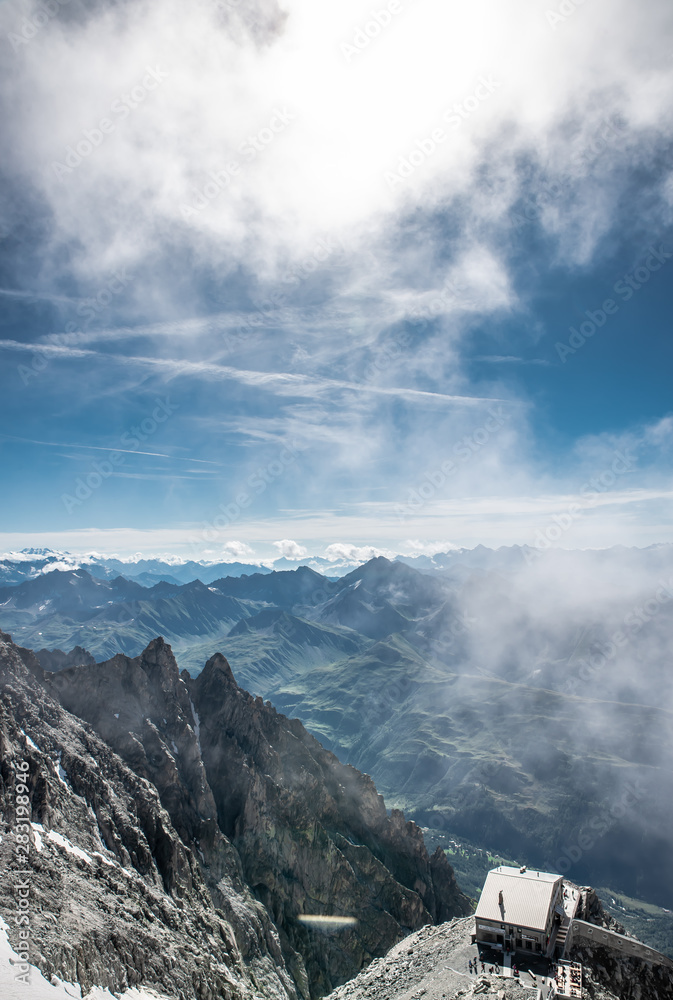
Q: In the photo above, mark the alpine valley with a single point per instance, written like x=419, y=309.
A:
x=189, y=839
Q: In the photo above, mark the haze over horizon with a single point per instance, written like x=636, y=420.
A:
x=279, y=280
x=338, y=558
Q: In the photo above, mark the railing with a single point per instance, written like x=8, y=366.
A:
x=580, y=930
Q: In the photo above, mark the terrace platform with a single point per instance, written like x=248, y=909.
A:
x=569, y=980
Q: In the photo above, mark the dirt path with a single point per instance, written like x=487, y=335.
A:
x=433, y=964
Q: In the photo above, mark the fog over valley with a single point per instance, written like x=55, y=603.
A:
x=336, y=548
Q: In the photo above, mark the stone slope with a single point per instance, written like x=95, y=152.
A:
x=433, y=963
x=117, y=898
x=260, y=803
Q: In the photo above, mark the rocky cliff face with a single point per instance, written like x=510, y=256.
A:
x=314, y=835
x=608, y=975
x=609, y=972
x=116, y=897
x=210, y=824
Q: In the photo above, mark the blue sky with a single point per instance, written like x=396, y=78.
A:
x=287, y=278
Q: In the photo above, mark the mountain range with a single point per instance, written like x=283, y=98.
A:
x=196, y=844
x=16, y=567
x=524, y=704
x=455, y=563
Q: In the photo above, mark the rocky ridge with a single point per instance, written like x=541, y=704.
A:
x=288, y=805
x=56, y=659
x=117, y=899
x=184, y=826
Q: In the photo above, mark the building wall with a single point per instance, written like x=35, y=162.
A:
x=490, y=932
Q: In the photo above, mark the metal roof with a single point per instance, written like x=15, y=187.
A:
x=526, y=897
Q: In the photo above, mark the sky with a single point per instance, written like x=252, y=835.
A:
x=290, y=278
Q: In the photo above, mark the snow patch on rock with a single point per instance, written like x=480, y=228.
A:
x=64, y=843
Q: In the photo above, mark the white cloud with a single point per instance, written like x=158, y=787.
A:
x=628, y=517
x=238, y=550
x=416, y=547
x=290, y=549
x=281, y=383
x=342, y=552
x=62, y=565
x=339, y=124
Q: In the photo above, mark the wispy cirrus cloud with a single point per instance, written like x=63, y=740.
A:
x=497, y=359
x=285, y=290
x=285, y=383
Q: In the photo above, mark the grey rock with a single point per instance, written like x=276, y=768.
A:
x=210, y=824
